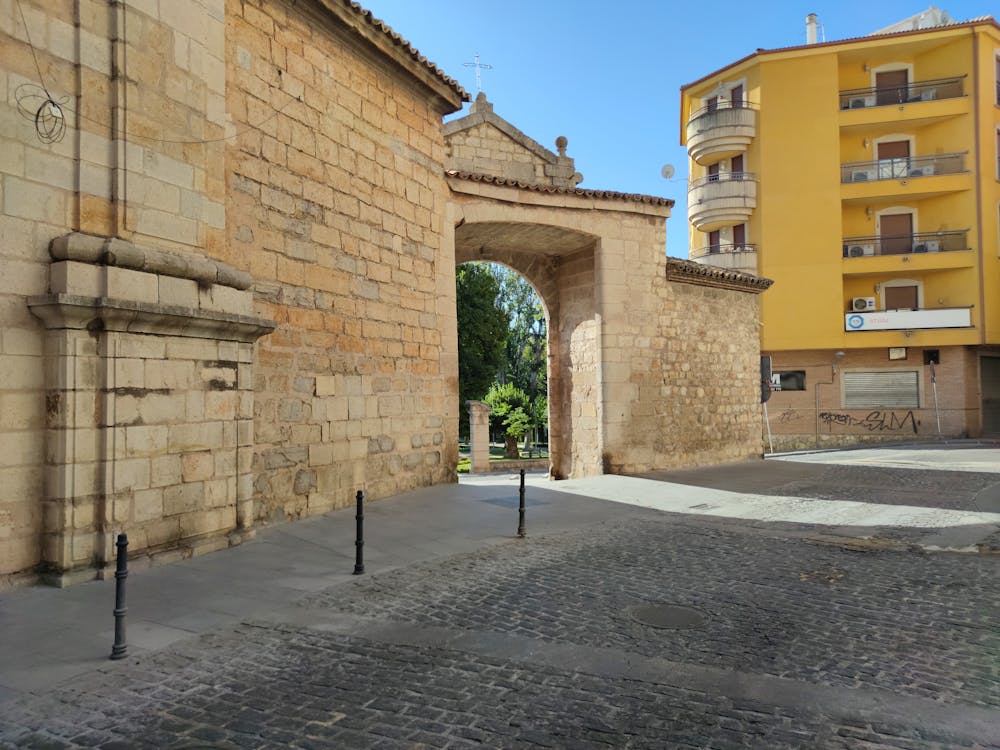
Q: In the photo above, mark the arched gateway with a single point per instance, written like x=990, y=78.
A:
x=652, y=361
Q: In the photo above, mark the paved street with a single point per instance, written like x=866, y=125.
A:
x=801, y=637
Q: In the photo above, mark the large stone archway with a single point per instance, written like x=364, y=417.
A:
x=558, y=263
x=652, y=361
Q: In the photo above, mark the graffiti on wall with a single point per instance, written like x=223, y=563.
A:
x=874, y=421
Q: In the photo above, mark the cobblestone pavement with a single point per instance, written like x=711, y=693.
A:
x=532, y=643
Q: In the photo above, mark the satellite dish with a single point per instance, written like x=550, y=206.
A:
x=667, y=171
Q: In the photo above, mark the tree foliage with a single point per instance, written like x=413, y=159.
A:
x=511, y=412
x=525, y=363
x=483, y=327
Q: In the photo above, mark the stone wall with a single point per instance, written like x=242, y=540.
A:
x=681, y=359
x=653, y=362
x=336, y=203
x=693, y=380
x=149, y=405
x=130, y=163
x=485, y=144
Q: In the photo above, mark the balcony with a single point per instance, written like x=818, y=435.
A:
x=922, y=91
x=906, y=244
x=902, y=168
x=721, y=131
x=908, y=320
x=734, y=257
x=720, y=200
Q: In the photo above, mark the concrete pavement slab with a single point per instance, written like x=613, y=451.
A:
x=907, y=457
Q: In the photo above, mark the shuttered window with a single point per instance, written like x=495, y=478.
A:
x=877, y=390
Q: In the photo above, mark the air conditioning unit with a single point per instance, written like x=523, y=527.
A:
x=860, y=102
x=931, y=246
x=862, y=175
x=863, y=304
x=858, y=251
x=924, y=171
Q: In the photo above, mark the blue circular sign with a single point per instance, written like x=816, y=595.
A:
x=855, y=322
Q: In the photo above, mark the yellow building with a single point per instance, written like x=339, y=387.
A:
x=863, y=176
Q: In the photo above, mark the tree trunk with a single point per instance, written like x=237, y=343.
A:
x=510, y=447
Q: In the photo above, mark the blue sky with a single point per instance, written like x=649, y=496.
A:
x=607, y=74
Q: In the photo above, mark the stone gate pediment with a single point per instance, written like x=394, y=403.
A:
x=484, y=143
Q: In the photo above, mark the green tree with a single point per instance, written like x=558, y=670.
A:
x=512, y=412
x=483, y=327
x=525, y=353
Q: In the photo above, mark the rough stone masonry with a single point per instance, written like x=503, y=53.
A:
x=228, y=294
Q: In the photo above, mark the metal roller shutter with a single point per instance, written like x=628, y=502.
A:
x=876, y=390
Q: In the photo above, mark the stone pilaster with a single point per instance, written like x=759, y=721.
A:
x=149, y=399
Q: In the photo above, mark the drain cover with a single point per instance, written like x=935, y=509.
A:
x=671, y=616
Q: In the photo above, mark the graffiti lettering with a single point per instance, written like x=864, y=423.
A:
x=788, y=415
x=874, y=421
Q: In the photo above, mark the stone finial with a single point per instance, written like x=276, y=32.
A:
x=481, y=104
x=561, y=143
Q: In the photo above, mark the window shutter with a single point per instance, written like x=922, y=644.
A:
x=877, y=390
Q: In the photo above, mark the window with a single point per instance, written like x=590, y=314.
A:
x=714, y=241
x=736, y=97
x=902, y=294
x=882, y=390
x=996, y=65
x=739, y=236
x=998, y=153
x=736, y=167
x=901, y=297
x=713, y=172
x=932, y=356
x=788, y=380
x=712, y=104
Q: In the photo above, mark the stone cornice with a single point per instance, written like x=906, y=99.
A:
x=60, y=311
x=111, y=251
x=701, y=274
x=534, y=194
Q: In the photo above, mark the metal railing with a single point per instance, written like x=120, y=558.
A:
x=905, y=244
x=902, y=168
x=728, y=247
x=722, y=177
x=725, y=104
x=918, y=91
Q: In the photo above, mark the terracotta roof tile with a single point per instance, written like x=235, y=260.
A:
x=408, y=48
x=651, y=200
x=689, y=272
x=849, y=40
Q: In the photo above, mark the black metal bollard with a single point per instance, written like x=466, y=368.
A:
x=121, y=573
x=359, y=542
x=520, y=509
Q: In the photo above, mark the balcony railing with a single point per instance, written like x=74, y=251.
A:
x=904, y=244
x=902, y=168
x=723, y=248
x=920, y=91
x=721, y=130
x=720, y=199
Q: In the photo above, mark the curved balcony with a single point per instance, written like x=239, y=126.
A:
x=734, y=257
x=721, y=200
x=720, y=132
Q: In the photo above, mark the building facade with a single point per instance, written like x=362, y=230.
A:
x=863, y=177
x=229, y=237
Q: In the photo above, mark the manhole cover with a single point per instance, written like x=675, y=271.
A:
x=671, y=616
